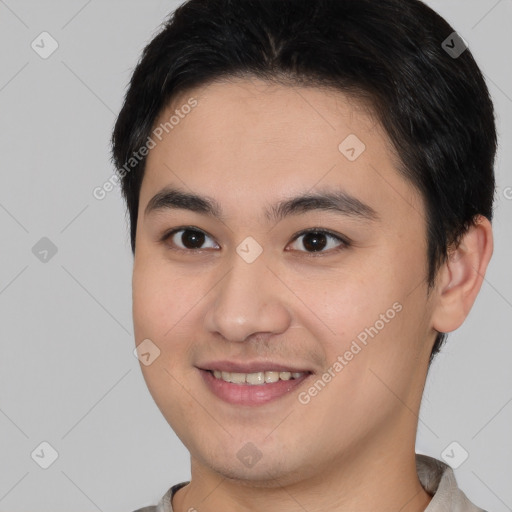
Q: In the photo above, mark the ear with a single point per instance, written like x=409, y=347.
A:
x=461, y=276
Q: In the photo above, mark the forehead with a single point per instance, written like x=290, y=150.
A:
x=248, y=141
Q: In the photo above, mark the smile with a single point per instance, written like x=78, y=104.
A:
x=252, y=388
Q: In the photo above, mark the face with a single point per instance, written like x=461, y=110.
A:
x=302, y=249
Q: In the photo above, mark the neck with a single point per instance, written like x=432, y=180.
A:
x=385, y=482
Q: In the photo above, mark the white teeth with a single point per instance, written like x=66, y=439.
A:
x=238, y=378
x=255, y=378
x=258, y=378
x=271, y=377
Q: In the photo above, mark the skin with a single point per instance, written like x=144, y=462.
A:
x=249, y=144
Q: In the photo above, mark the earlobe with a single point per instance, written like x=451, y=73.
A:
x=460, y=277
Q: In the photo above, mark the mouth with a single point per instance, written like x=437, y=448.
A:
x=251, y=389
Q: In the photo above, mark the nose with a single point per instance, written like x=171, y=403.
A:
x=250, y=299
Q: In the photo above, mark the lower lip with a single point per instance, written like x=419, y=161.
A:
x=247, y=394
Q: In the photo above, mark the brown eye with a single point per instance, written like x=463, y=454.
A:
x=188, y=239
x=192, y=239
x=319, y=241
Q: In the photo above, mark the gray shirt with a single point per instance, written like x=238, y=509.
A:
x=435, y=476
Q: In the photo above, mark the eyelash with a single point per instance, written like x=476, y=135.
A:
x=345, y=242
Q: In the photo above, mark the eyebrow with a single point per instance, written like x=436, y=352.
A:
x=337, y=201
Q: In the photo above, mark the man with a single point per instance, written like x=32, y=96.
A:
x=310, y=189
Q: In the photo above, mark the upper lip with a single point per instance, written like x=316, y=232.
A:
x=251, y=367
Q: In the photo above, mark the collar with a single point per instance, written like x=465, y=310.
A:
x=438, y=479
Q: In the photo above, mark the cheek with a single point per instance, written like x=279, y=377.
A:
x=342, y=304
x=368, y=317
x=162, y=306
x=161, y=297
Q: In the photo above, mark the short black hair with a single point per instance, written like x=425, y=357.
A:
x=394, y=54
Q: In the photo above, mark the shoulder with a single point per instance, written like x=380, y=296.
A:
x=438, y=479
x=165, y=504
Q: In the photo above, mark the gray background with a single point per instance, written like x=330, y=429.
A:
x=67, y=372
